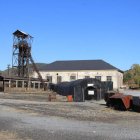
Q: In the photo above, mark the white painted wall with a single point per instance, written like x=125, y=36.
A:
x=117, y=77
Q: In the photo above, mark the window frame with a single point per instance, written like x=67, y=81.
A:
x=72, y=79
x=58, y=78
x=87, y=76
x=50, y=78
x=98, y=78
x=107, y=78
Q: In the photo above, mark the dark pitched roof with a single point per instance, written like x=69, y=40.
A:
x=78, y=65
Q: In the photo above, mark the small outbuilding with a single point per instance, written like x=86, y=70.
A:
x=82, y=89
x=20, y=84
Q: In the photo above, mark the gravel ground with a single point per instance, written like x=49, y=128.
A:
x=131, y=92
x=36, y=120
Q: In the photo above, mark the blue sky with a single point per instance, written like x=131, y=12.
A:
x=73, y=30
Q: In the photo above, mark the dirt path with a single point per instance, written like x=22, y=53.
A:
x=37, y=120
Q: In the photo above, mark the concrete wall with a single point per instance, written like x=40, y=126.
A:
x=117, y=77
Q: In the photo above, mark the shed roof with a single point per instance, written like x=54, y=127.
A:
x=19, y=78
x=78, y=65
x=12, y=77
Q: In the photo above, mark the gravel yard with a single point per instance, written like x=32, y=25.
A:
x=131, y=92
x=23, y=116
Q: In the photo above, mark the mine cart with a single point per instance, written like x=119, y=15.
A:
x=113, y=99
x=124, y=102
x=136, y=103
x=109, y=94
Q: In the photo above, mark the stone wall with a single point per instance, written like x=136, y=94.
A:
x=117, y=77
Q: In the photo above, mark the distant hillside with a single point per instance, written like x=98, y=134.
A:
x=39, y=65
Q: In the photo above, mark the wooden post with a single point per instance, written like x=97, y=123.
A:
x=39, y=86
x=23, y=85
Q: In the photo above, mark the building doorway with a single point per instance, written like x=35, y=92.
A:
x=90, y=93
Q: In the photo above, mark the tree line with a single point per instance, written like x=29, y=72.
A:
x=133, y=73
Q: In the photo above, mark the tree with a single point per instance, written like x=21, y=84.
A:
x=135, y=70
x=127, y=77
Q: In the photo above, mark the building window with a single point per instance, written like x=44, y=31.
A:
x=32, y=84
x=6, y=85
x=109, y=78
x=98, y=77
x=49, y=78
x=87, y=76
x=36, y=85
x=19, y=83
x=72, y=78
x=41, y=85
x=59, y=79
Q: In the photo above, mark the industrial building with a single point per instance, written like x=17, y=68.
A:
x=20, y=84
x=65, y=71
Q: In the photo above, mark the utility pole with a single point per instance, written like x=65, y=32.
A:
x=8, y=66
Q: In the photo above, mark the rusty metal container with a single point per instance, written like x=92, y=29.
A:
x=113, y=99
x=136, y=100
x=108, y=95
x=124, y=102
x=136, y=103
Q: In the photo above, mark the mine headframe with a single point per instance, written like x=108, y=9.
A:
x=21, y=56
x=21, y=53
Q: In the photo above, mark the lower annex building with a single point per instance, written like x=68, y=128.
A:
x=62, y=71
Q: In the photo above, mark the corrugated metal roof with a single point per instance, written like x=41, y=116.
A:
x=78, y=65
x=12, y=77
x=20, y=78
x=18, y=32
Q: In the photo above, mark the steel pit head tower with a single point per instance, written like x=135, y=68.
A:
x=22, y=43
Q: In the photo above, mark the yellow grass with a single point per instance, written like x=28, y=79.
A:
x=7, y=135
